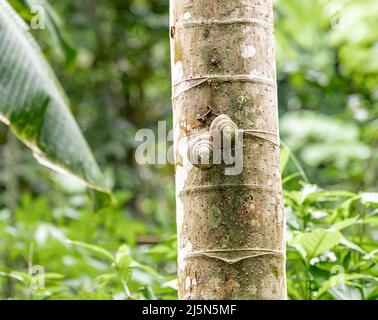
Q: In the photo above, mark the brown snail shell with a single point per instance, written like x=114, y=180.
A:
x=224, y=126
x=201, y=150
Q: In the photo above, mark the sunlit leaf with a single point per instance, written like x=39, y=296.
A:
x=369, y=198
x=93, y=248
x=316, y=242
x=372, y=220
x=20, y=276
x=343, y=224
x=340, y=281
x=351, y=245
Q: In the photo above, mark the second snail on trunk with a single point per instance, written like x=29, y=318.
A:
x=223, y=127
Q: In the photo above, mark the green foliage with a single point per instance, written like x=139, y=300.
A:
x=331, y=245
x=34, y=105
x=328, y=89
x=331, y=250
x=103, y=267
x=53, y=24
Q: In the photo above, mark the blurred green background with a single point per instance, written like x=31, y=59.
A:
x=112, y=57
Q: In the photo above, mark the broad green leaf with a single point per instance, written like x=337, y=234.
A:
x=372, y=220
x=325, y=196
x=93, y=248
x=19, y=276
x=351, y=245
x=307, y=190
x=143, y=267
x=343, y=224
x=290, y=177
x=339, y=281
x=34, y=105
x=103, y=279
x=54, y=25
x=348, y=292
x=371, y=255
x=123, y=251
x=344, y=209
x=316, y=242
x=52, y=276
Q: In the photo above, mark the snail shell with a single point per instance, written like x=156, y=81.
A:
x=225, y=126
x=201, y=150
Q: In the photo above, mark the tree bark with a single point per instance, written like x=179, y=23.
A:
x=230, y=228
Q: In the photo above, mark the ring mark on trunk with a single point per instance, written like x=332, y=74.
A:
x=229, y=78
x=256, y=133
x=195, y=23
x=232, y=256
x=224, y=186
x=185, y=85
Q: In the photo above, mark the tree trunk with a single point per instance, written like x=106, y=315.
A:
x=230, y=227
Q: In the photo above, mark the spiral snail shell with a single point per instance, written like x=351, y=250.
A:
x=201, y=151
x=224, y=125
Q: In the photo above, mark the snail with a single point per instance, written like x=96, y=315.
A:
x=205, y=147
x=225, y=126
x=201, y=150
